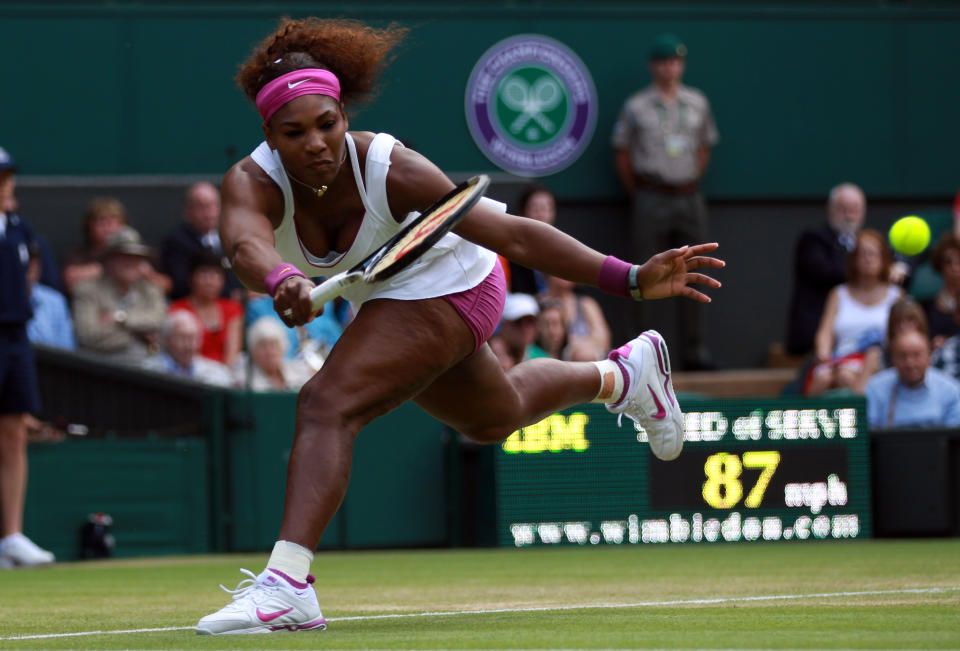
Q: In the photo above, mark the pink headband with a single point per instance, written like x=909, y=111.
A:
x=283, y=89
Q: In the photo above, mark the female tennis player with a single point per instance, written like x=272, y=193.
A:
x=313, y=200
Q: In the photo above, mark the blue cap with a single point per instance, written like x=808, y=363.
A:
x=6, y=161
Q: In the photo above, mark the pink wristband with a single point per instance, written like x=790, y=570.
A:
x=614, y=276
x=278, y=274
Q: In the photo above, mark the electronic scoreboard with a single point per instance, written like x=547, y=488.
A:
x=750, y=470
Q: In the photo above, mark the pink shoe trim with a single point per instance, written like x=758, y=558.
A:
x=656, y=346
x=661, y=412
x=666, y=390
x=296, y=584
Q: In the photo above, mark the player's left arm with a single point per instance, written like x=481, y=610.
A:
x=414, y=183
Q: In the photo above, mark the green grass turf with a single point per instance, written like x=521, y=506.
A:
x=174, y=592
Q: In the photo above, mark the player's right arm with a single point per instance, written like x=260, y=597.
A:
x=247, y=219
x=252, y=208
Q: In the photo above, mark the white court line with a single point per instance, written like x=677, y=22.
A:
x=531, y=609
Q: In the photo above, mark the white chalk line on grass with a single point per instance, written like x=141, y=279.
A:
x=533, y=609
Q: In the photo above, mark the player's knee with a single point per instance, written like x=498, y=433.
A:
x=319, y=407
x=488, y=435
x=322, y=407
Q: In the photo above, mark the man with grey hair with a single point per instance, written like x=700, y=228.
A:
x=181, y=336
x=818, y=263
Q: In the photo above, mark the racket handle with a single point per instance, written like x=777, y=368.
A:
x=330, y=288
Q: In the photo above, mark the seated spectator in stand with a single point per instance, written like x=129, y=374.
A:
x=221, y=318
x=312, y=341
x=911, y=394
x=942, y=309
x=104, y=217
x=269, y=369
x=853, y=327
x=197, y=233
x=588, y=335
x=180, y=342
x=552, y=329
x=50, y=324
x=118, y=314
x=819, y=264
x=518, y=327
x=536, y=202
x=906, y=314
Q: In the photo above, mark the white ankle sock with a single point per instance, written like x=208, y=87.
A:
x=291, y=559
x=611, y=381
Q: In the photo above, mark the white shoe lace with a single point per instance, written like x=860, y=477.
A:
x=244, y=587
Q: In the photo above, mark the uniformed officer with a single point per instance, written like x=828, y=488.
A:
x=663, y=138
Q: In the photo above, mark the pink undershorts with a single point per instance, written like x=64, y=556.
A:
x=481, y=307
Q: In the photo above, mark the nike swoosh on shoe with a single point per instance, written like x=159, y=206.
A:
x=269, y=617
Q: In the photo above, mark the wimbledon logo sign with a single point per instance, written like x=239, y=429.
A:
x=531, y=105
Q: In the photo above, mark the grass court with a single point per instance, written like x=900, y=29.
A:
x=849, y=594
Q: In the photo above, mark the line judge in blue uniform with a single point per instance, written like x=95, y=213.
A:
x=19, y=396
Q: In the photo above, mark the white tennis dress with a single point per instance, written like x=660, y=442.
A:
x=452, y=265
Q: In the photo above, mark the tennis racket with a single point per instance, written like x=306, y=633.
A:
x=401, y=250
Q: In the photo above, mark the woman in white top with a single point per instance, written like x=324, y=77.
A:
x=315, y=199
x=849, y=342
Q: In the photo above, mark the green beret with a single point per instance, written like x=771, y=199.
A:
x=667, y=46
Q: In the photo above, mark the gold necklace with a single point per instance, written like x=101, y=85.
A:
x=317, y=191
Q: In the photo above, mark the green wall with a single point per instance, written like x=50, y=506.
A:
x=806, y=94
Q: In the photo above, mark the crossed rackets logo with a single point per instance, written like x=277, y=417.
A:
x=532, y=101
x=531, y=105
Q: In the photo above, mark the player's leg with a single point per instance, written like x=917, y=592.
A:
x=478, y=399
x=390, y=352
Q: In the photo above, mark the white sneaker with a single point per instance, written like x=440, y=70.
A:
x=17, y=550
x=267, y=603
x=649, y=399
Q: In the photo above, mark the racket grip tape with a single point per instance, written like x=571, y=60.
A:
x=331, y=288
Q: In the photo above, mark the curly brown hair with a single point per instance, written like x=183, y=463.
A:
x=356, y=53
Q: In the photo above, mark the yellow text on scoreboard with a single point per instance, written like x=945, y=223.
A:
x=555, y=433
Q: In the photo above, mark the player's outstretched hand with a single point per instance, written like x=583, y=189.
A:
x=671, y=273
x=292, y=301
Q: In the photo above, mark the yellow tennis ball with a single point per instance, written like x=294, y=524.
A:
x=910, y=235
